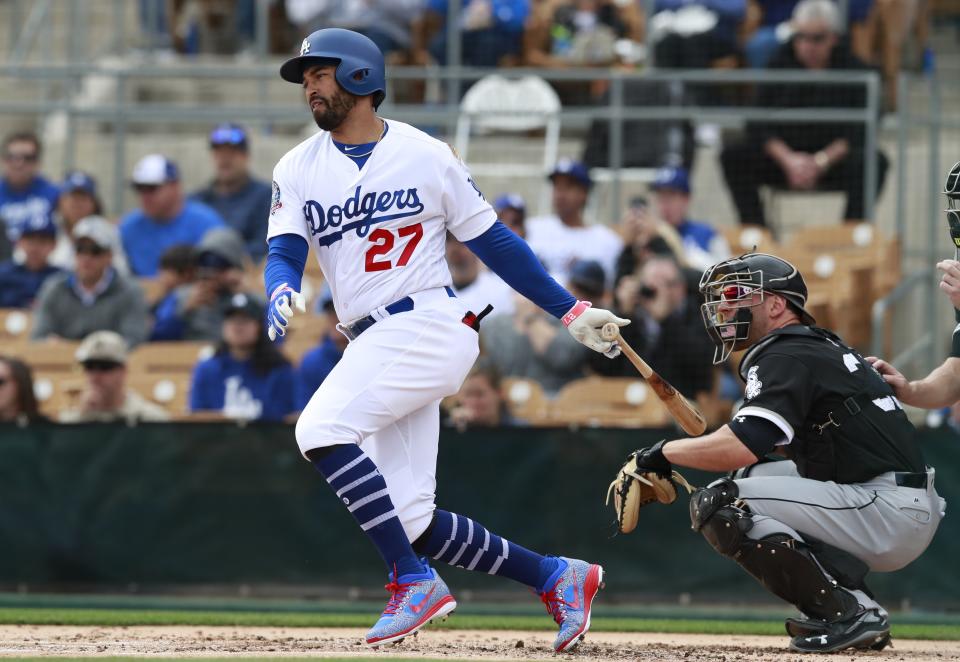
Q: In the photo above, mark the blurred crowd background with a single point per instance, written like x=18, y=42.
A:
x=631, y=143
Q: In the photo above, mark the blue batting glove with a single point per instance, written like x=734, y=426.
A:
x=283, y=302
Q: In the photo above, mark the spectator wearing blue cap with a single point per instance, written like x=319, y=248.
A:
x=247, y=378
x=703, y=246
x=26, y=197
x=78, y=200
x=319, y=361
x=242, y=200
x=164, y=218
x=512, y=210
x=21, y=279
x=561, y=238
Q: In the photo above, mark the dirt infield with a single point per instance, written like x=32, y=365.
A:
x=169, y=641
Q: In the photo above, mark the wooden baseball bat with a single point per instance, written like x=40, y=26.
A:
x=682, y=410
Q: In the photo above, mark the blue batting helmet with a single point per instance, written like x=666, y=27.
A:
x=360, y=66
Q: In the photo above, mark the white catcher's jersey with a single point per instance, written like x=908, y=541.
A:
x=378, y=232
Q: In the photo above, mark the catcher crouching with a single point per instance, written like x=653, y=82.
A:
x=854, y=493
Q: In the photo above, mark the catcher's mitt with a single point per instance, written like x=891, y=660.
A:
x=634, y=488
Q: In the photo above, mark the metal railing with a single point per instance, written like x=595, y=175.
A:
x=124, y=112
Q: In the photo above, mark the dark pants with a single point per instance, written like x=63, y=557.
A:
x=746, y=168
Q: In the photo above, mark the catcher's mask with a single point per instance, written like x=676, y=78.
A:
x=732, y=284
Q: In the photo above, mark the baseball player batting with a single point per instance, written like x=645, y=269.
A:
x=375, y=199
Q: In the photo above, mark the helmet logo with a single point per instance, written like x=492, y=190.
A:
x=305, y=47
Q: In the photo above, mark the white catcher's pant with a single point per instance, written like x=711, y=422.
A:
x=385, y=395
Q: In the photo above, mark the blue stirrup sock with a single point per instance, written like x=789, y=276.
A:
x=462, y=542
x=362, y=489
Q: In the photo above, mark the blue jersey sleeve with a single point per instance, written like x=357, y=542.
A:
x=510, y=257
x=286, y=259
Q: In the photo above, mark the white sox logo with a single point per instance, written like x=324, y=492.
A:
x=361, y=208
x=754, y=384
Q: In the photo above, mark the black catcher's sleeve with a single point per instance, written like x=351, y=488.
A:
x=779, y=389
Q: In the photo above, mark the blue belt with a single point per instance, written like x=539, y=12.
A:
x=352, y=331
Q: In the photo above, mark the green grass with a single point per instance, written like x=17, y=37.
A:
x=462, y=621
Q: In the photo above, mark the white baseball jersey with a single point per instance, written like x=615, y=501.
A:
x=378, y=232
x=558, y=246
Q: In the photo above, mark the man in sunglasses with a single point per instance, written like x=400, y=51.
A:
x=164, y=218
x=854, y=494
x=94, y=296
x=196, y=311
x=26, y=197
x=241, y=199
x=105, y=396
x=805, y=156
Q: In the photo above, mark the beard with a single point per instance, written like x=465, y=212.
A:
x=334, y=110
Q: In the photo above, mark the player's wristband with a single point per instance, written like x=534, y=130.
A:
x=578, y=309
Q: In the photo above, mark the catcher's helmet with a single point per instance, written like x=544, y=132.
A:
x=360, y=67
x=733, y=282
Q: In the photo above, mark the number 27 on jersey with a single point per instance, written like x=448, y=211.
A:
x=383, y=241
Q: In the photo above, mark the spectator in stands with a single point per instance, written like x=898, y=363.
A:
x=568, y=33
x=563, y=237
x=644, y=237
x=78, y=200
x=481, y=402
x=587, y=282
x=247, y=378
x=319, y=361
x=242, y=200
x=386, y=22
x=491, y=32
x=703, y=246
x=474, y=284
x=667, y=328
x=512, y=210
x=94, y=297
x=805, y=157
x=178, y=268
x=532, y=344
x=195, y=311
x=164, y=217
x=18, y=404
x=21, y=279
x=695, y=34
x=105, y=396
x=25, y=195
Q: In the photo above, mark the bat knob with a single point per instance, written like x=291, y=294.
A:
x=610, y=331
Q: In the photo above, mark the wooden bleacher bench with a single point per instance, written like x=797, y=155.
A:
x=168, y=357
x=15, y=327
x=614, y=401
x=526, y=400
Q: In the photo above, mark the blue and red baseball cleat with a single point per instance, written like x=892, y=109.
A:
x=573, y=587
x=415, y=600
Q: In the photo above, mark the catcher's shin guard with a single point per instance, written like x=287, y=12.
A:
x=784, y=565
